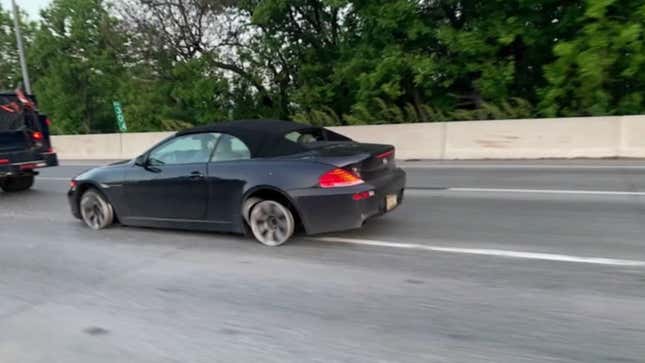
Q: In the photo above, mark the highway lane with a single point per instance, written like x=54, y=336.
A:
x=603, y=175
x=69, y=294
x=560, y=175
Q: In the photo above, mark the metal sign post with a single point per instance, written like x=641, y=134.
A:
x=21, y=48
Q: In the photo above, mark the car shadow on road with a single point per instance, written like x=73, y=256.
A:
x=26, y=193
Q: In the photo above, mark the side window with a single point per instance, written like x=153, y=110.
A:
x=187, y=149
x=230, y=148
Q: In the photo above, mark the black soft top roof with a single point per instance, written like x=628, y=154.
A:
x=266, y=138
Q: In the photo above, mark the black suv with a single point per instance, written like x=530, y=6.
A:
x=25, y=144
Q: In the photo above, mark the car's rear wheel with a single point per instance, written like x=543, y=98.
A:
x=17, y=183
x=271, y=222
x=96, y=211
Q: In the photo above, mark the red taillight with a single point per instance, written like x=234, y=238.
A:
x=73, y=184
x=339, y=178
x=4, y=161
x=385, y=155
x=363, y=195
x=37, y=136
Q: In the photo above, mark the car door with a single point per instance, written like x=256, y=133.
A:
x=170, y=185
x=228, y=172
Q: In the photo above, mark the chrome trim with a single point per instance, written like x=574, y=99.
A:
x=37, y=162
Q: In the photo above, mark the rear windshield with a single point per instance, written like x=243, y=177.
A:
x=314, y=136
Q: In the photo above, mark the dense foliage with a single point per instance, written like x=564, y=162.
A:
x=175, y=63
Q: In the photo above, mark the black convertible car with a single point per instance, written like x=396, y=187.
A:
x=266, y=177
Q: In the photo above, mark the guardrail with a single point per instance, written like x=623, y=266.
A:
x=584, y=137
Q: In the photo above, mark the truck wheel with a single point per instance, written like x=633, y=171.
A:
x=17, y=183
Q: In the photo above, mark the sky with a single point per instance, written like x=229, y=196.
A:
x=32, y=7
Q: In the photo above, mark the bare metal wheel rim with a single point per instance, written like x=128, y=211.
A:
x=272, y=223
x=96, y=212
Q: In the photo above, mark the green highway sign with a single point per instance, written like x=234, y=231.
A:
x=120, y=119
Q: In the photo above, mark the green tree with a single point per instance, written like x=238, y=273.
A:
x=452, y=55
x=303, y=40
x=600, y=70
x=189, y=96
x=78, y=52
x=194, y=64
x=10, y=76
x=329, y=62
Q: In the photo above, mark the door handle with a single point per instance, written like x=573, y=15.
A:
x=196, y=175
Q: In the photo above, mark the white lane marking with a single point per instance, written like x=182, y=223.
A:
x=545, y=191
x=52, y=178
x=519, y=166
x=488, y=252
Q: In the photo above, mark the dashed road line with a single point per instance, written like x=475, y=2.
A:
x=545, y=191
x=52, y=178
x=522, y=166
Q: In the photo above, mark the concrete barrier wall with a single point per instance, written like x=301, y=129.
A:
x=591, y=137
x=548, y=138
x=632, y=137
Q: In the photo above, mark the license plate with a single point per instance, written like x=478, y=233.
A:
x=391, y=201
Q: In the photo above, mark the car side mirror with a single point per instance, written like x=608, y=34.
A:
x=141, y=161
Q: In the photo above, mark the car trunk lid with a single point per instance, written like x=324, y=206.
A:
x=368, y=161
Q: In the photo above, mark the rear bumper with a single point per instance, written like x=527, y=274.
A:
x=25, y=163
x=334, y=209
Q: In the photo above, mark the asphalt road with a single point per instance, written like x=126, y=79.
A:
x=484, y=262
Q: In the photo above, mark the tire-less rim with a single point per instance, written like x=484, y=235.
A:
x=272, y=223
x=96, y=212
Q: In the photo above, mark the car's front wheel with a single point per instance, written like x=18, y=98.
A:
x=271, y=222
x=96, y=211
